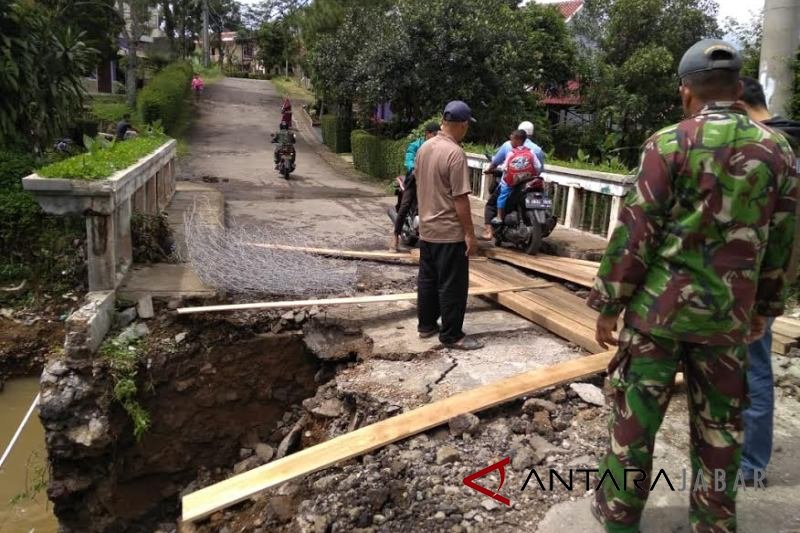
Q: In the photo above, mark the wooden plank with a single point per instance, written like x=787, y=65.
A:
x=351, y=300
x=580, y=274
x=346, y=254
x=787, y=326
x=411, y=257
x=576, y=331
x=577, y=328
x=206, y=501
x=781, y=344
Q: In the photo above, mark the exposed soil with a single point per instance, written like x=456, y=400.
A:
x=29, y=335
x=213, y=387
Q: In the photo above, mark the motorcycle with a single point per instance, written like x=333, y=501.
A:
x=286, y=164
x=528, y=219
x=409, y=235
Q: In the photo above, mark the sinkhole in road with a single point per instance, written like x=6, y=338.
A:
x=229, y=393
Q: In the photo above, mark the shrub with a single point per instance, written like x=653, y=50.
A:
x=152, y=239
x=103, y=159
x=378, y=157
x=33, y=245
x=165, y=95
x=336, y=133
x=85, y=126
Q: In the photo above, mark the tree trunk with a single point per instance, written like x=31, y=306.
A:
x=130, y=68
x=169, y=24
x=221, y=50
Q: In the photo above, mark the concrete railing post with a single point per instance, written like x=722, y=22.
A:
x=616, y=206
x=574, y=208
x=151, y=201
x=101, y=251
x=122, y=216
x=140, y=199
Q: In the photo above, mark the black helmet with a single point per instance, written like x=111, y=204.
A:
x=284, y=126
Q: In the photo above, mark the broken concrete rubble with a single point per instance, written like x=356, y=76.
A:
x=144, y=307
x=589, y=393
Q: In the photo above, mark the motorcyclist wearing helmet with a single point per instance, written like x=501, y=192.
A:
x=409, y=195
x=285, y=140
x=499, y=158
x=520, y=163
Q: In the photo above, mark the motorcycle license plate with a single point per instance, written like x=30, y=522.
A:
x=533, y=202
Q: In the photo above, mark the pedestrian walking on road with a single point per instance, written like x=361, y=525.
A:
x=697, y=262
x=447, y=236
x=757, y=448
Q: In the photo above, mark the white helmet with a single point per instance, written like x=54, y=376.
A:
x=527, y=127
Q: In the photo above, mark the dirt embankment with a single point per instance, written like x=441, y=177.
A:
x=31, y=334
x=211, y=387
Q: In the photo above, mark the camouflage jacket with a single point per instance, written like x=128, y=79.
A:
x=705, y=234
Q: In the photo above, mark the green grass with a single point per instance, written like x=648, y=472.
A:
x=289, y=87
x=123, y=359
x=103, y=161
x=481, y=149
x=581, y=165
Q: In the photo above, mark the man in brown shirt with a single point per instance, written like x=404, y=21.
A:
x=447, y=236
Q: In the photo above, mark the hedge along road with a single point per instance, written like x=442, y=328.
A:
x=230, y=140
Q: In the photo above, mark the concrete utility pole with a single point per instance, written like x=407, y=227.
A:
x=205, y=34
x=778, y=49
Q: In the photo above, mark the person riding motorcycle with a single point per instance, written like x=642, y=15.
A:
x=497, y=160
x=409, y=189
x=285, y=141
x=521, y=163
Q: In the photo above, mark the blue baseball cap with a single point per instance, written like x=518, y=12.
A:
x=458, y=111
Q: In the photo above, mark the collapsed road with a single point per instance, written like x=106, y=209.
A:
x=227, y=394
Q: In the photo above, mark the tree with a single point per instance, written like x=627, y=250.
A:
x=272, y=40
x=629, y=52
x=136, y=23
x=420, y=55
x=747, y=36
x=96, y=20
x=41, y=67
x=224, y=15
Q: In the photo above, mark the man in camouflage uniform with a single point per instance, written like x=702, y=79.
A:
x=697, y=262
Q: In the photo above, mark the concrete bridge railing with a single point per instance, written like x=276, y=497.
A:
x=107, y=205
x=585, y=200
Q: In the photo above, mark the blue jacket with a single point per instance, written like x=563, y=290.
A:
x=411, y=154
x=500, y=157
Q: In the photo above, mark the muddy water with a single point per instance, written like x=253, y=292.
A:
x=25, y=467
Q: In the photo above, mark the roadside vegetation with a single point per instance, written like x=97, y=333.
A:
x=103, y=157
x=124, y=358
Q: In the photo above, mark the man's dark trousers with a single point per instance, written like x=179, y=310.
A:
x=442, y=286
x=407, y=198
x=490, y=210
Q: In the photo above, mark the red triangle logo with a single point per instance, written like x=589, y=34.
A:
x=469, y=481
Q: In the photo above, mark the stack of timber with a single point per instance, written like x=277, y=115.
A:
x=554, y=308
x=578, y=271
x=785, y=335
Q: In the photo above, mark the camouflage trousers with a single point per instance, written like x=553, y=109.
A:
x=642, y=376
